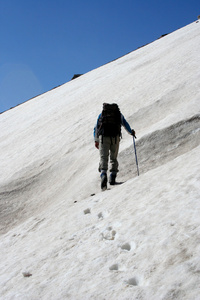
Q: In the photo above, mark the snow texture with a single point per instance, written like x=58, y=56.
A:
x=61, y=237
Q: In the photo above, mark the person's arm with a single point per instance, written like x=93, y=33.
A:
x=127, y=127
x=96, y=138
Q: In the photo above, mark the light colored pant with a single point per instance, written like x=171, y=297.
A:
x=108, y=146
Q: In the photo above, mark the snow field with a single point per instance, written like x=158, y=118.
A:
x=61, y=237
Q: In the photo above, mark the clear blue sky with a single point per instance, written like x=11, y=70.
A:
x=45, y=42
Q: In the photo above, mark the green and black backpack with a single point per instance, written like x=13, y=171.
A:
x=109, y=123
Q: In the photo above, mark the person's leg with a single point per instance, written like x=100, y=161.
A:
x=114, y=149
x=104, y=147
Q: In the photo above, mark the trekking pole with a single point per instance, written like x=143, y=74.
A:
x=136, y=155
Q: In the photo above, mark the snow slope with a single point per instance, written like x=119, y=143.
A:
x=137, y=240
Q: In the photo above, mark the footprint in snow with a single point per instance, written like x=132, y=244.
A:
x=126, y=247
x=103, y=215
x=100, y=216
x=133, y=281
x=114, y=267
x=87, y=211
x=109, y=233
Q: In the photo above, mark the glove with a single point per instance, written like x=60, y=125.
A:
x=133, y=133
x=97, y=145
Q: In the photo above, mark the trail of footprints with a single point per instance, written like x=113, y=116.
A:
x=109, y=234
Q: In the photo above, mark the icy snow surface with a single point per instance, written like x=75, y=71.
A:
x=61, y=237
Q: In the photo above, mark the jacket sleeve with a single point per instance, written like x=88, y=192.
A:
x=125, y=124
x=96, y=138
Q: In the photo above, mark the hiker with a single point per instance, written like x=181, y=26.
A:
x=107, y=134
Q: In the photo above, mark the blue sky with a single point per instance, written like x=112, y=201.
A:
x=45, y=42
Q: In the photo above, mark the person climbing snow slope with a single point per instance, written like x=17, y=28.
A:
x=107, y=134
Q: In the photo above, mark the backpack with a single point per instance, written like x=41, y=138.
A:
x=109, y=123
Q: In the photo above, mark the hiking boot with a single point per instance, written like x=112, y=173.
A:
x=112, y=179
x=103, y=181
